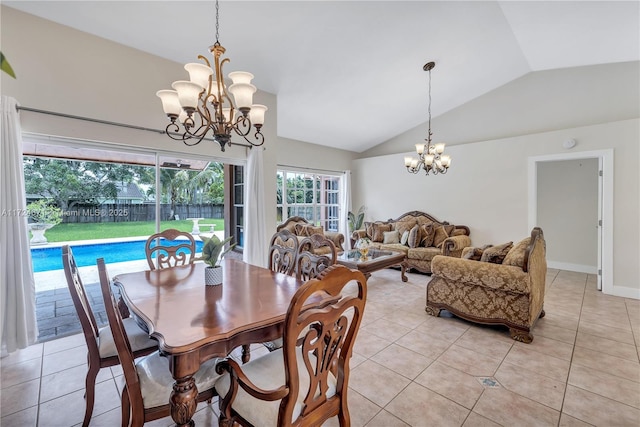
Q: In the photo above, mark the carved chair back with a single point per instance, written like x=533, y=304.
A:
x=315, y=254
x=92, y=333
x=282, y=252
x=80, y=301
x=121, y=340
x=318, y=343
x=328, y=335
x=178, y=248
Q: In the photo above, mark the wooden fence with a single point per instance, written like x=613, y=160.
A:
x=139, y=212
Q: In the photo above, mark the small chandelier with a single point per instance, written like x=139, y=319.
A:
x=430, y=156
x=202, y=104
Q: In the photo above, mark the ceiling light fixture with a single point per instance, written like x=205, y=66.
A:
x=202, y=104
x=430, y=156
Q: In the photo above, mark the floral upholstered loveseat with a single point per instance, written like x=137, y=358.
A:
x=301, y=228
x=419, y=235
x=509, y=293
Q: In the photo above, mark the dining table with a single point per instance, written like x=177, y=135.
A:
x=193, y=322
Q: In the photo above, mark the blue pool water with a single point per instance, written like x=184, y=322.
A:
x=45, y=259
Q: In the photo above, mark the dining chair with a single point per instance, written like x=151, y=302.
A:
x=306, y=381
x=102, y=352
x=176, y=248
x=282, y=252
x=315, y=253
x=148, y=381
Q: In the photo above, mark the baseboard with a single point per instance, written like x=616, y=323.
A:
x=621, y=291
x=579, y=268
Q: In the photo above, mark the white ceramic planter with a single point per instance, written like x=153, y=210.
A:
x=213, y=276
x=37, y=231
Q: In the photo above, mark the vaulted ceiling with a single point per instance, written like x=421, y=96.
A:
x=348, y=74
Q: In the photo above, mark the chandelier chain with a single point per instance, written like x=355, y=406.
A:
x=217, y=23
x=429, y=109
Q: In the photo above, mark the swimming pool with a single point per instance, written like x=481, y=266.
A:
x=45, y=259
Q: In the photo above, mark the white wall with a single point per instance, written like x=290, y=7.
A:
x=486, y=188
x=567, y=206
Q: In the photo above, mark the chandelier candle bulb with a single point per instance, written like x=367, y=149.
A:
x=240, y=77
x=199, y=73
x=420, y=148
x=407, y=161
x=188, y=93
x=439, y=148
x=243, y=95
x=170, y=103
x=256, y=115
x=446, y=161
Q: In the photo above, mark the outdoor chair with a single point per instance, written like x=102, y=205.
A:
x=306, y=381
x=178, y=248
x=102, y=351
x=148, y=380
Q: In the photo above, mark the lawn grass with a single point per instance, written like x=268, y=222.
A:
x=106, y=230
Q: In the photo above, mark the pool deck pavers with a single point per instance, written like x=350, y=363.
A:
x=55, y=311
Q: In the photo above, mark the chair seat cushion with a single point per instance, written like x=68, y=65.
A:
x=267, y=372
x=156, y=382
x=138, y=339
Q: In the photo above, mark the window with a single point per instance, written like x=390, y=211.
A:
x=312, y=196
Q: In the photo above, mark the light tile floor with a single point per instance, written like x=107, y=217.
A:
x=409, y=368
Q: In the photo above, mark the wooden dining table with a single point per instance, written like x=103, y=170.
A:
x=194, y=322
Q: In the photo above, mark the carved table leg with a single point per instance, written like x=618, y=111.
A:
x=246, y=353
x=183, y=401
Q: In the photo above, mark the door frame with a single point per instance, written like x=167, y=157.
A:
x=605, y=204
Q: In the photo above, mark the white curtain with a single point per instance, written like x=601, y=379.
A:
x=345, y=204
x=18, y=326
x=255, y=243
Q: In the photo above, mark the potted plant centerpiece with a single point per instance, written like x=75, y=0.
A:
x=44, y=217
x=212, y=252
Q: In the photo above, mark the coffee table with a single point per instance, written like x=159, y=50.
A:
x=376, y=260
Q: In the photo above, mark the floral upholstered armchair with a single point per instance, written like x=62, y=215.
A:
x=506, y=285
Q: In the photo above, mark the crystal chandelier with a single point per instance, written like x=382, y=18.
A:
x=430, y=156
x=202, y=104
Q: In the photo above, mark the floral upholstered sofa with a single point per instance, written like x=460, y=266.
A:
x=419, y=235
x=506, y=285
x=301, y=228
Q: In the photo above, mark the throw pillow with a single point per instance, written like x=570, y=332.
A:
x=516, y=254
x=428, y=234
x=402, y=226
x=391, y=237
x=405, y=237
x=473, y=253
x=307, y=230
x=441, y=234
x=414, y=236
x=375, y=230
x=496, y=254
x=458, y=232
x=380, y=229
